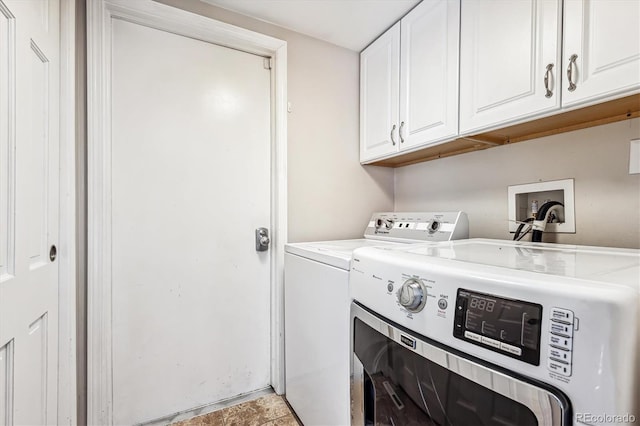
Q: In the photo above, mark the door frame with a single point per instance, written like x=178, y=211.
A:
x=156, y=15
x=67, y=279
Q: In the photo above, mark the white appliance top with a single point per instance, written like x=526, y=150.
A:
x=599, y=264
x=387, y=230
x=335, y=253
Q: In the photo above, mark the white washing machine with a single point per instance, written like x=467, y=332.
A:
x=495, y=332
x=317, y=309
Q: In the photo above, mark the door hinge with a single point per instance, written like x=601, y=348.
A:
x=268, y=63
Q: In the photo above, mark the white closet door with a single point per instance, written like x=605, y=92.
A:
x=29, y=201
x=191, y=181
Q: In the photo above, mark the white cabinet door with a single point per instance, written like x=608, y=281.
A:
x=379, y=85
x=430, y=36
x=505, y=49
x=604, y=36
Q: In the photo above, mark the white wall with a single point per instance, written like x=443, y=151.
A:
x=330, y=195
x=607, y=198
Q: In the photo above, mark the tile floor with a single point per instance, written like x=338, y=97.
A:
x=269, y=410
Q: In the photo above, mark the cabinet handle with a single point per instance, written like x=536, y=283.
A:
x=546, y=81
x=572, y=61
x=400, y=132
x=393, y=129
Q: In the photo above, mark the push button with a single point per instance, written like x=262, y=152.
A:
x=472, y=336
x=561, y=329
x=562, y=315
x=490, y=342
x=511, y=349
x=457, y=328
x=461, y=307
x=561, y=342
x=560, y=354
x=559, y=367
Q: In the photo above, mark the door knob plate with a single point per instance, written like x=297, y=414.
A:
x=262, y=239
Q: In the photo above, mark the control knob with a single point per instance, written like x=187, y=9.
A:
x=412, y=295
x=384, y=223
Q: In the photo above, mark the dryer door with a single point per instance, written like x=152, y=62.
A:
x=401, y=379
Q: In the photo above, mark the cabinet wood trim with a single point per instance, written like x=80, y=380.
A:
x=607, y=112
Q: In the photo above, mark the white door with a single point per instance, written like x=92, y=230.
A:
x=191, y=181
x=29, y=199
x=430, y=36
x=604, y=36
x=506, y=47
x=379, y=88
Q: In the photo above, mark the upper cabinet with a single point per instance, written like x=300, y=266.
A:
x=379, y=100
x=409, y=82
x=429, y=41
x=509, y=61
x=456, y=76
x=601, y=49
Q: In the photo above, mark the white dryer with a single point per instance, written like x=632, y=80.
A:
x=317, y=309
x=496, y=332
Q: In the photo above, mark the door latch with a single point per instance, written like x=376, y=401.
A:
x=262, y=239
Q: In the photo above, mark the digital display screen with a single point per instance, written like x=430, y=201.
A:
x=509, y=326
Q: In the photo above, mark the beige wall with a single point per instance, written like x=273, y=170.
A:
x=330, y=195
x=607, y=198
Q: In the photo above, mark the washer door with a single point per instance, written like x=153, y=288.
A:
x=399, y=379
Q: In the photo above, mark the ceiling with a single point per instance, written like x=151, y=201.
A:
x=348, y=23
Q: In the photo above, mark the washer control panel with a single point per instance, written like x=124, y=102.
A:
x=423, y=226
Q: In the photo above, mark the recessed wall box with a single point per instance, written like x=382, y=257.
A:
x=521, y=198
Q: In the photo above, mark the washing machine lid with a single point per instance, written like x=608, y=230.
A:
x=600, y=264
x=335, y=253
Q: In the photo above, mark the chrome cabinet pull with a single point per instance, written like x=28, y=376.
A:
x=546, y=81
x=400, y=132
x=393, y=129
x=572, y=61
